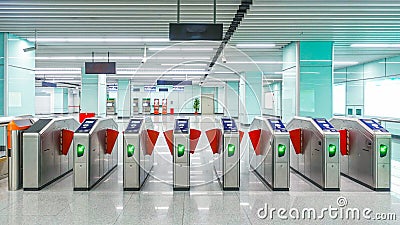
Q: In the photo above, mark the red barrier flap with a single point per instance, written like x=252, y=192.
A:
x=241, y=134
x=344, y=142
x=83, y=116
x=111, y=138
x=296, y=138
x=194, y=139
x=214, y=137
x=169, y=138
x=254, y=136
x=152, y=137
x=66, y=140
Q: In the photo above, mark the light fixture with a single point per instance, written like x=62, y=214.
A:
x=255, y=45
x=375, y=45
x=34, y=47
x=345, y=63
x=178, y=49
x=50, y=72
x=145, y=40
x=185, y=64
x=118, y=58
x=258, y=62
x=223, y=59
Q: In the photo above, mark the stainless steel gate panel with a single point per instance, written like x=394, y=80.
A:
x=319, y=159
x=369, y=152
x=90, y=157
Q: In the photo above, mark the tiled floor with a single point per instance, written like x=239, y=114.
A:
x=205, y=203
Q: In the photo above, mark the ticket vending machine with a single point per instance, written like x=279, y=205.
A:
x=139, y=141
x=135, y=106
x=225, y=143
x=15, y=130
x=269, y=152
x=47, y=154
x=164, y=106
x=146, y=108
x=156, y=106
x=181, y=157
x=95, y=152
x=316, y=151
x=365, y=148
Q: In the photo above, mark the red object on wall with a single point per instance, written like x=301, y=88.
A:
x=83, y=116
x=151, y=140
x=111, y=138
x=169, y=138
x=255, y=136
x=344, y=142
x=194, y=139
x=66, y=140
x=214, y=137
x=171, y=111
x=296, y=138
x=241, y=134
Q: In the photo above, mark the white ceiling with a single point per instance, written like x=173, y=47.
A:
x=145, y=23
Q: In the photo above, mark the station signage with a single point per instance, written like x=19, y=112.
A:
x=178, y=88
x=149, y=88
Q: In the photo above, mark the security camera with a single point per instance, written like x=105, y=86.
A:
x=223, y=59
x=144, y=60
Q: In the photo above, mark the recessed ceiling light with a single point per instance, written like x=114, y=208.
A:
x=375, y=45
x=255, y=45
x=178, y=49
x=99, y=39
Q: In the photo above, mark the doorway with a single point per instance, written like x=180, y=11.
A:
x=207, y=104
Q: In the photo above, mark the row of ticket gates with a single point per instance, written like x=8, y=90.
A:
x=42, y=151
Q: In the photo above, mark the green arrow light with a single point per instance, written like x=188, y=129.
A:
x=281, y=150
x=332, y=150
x=130, y=149
x=80, y=150
x=181, y=150
x=231, y=150
x=383, y=149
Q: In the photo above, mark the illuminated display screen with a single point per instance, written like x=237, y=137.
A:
x=86, y=126
x=182, y=125
x=229, y=124
x=325, y=125
x=277, y=125
x=134, y=126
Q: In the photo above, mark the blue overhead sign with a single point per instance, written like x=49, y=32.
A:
x=149, y=88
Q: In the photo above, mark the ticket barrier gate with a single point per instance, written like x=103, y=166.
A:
x=14, y=146
x=225, y=144
x=269, y=152
x=46, y=152
x=181, y=141
x=315, y=156
x=139, y=141
x=365, y=148
x=95, y=152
